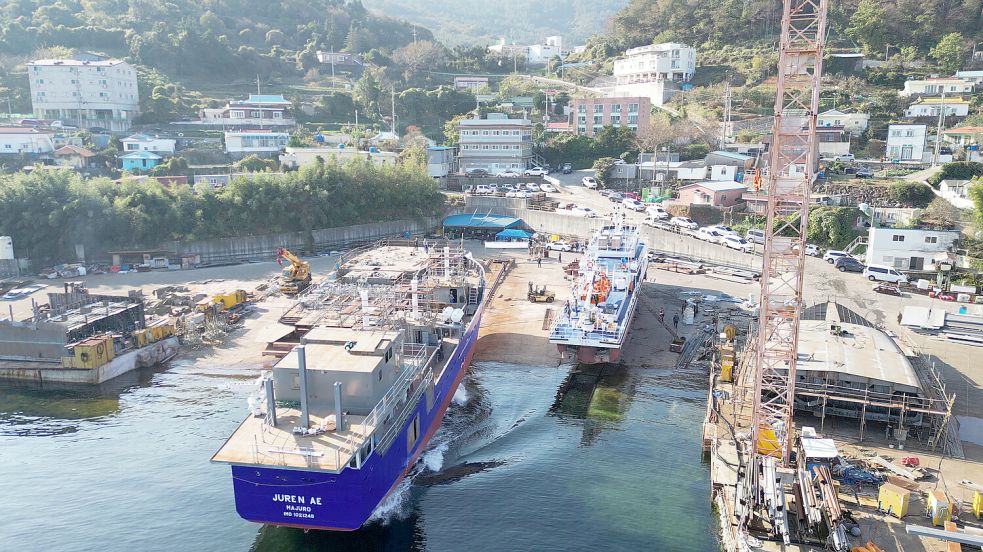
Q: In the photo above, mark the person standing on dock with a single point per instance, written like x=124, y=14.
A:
x=559, y=257
x=539, y=262
x=675, y=321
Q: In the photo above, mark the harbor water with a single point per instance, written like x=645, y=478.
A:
x=528, y=458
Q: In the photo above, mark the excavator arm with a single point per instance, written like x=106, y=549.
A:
x=297, y=276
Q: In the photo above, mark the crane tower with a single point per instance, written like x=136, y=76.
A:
x=792, y=167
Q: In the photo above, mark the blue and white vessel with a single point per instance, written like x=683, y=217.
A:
x=597, y=315
x=346, y=411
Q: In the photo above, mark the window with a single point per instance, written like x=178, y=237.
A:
x=909, y=133
x=598, y=108
x=495, y=133
x=515, y=147
x=897, y=238
x=598, y=119
x=582, y=119
x=102, y=82
x=633, y=119
x=132, y=147
x=515, y=133
x=255, y=114
x=380, y=374
x=633, y=108
x=931, y=239
x=40, y=81
x=581, y=108
x=615, y=120
x=277, y=114
x=236, y=114
x=484, y=133
x=895, y=133
x=615, y=108
x=495, y=147
x=484, y=147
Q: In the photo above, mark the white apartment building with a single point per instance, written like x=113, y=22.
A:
x=854, y=123
x=244, y=142
x=906, y=142
x=656, y=62
x=20, y=140
x=937, y=86
x=87, y=94
x=495, y=144
x=535, y=54
x=143, y=142
x=908, y=248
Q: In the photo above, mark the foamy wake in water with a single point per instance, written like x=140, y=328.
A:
x=460, y=396
x=393, y=507
x=433, y=459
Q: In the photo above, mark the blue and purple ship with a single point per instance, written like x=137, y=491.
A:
x=360, y=385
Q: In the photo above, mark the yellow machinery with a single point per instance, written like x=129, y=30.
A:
x=978, y=504
x=91, y=352
x=296, y=276
x=939, y=507
x=153, y=334
x=894, y=499
x=222, y=302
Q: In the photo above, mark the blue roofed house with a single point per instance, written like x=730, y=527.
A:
x=140, y=160
x=258, y=111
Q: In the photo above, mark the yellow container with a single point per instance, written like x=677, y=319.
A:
x=978, y=504
x=939, y=508
x=894, y=499
x=93, y=352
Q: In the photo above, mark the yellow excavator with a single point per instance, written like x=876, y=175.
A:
x=296, y=276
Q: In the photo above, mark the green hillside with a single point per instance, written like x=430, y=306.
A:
x=525, y=21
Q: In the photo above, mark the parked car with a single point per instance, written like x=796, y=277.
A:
x=567, y=168
x=616, y=197
x=493, y=189
x=532, y=187
x=755, y=235
x=864, y=172
x=559, y=245
x=848, y=264
x=589, y=182
x=585, y=212
x=547, y=187
x=535, y=171
x=509, y=173
x=832, y=254
x=606, y=193
x=478, y=172
x=811, y=249
x=888, y=289
x=656, y=212
x=633, y=204
x=684, y=222
x=521, y=194
x=736, y=242
x=881, y=273
x=725, y=230
x=708, y=234
x=507, y=187
x=482, y=189
x=845, y=158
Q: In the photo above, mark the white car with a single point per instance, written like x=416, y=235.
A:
x=832, y=254
x=684, y=222
x=506, y=188
x=737, y=242
x=532, y=187
x=589, y=182
x=708, y=234
x=546, y=187
x=482, y=189
x=535, y=171
x=725, y=230
x=658, y=213
x=509, y=173
x=846, y=157
x=811, y=249
x=521, y=194
x=559, y=245
x=633, y=204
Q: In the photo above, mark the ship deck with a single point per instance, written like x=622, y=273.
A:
x=256, y=443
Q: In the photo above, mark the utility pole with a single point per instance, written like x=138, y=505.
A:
x=938, y=131
x=394, y=110
x=257, y=85
x=727, y=107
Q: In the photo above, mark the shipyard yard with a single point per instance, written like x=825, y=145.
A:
x=592, y=447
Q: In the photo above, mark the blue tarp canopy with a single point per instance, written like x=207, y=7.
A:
x=487, y=222
x=513, y=233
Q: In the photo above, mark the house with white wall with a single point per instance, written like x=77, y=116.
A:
x=294, y=158
x=22, y=140
x=906, y=142
x=956, y=192
x=950, y=86
x=245, y=142
x=931, y=107
x=144, y=142
x=975, y=77
x=854, y=123
x=908, y=248
x=87, y=92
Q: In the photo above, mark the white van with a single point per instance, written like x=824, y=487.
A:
x=881, y=273
x=482, y=189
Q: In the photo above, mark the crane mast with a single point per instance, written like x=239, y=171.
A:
x=791, y=171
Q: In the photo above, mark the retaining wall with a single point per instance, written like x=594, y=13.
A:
x=657, y=239
x=264, y=247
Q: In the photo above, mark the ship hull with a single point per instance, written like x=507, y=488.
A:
x=345, y=501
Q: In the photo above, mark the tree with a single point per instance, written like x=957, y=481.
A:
x=976, y=195
x=941, y=213
x=911, y=194
x=255, y=163
x=420, y=55
x=867, y=25
x=949, y=52
x=602, y=170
